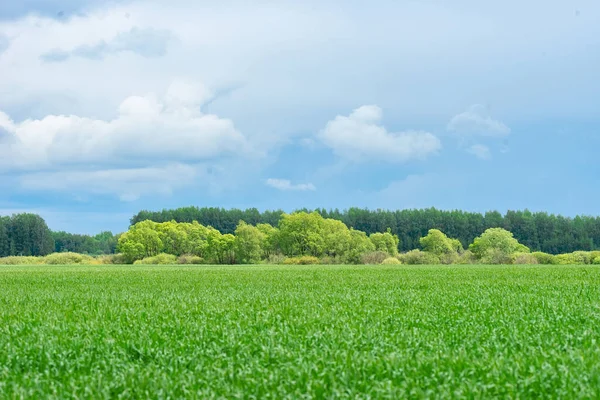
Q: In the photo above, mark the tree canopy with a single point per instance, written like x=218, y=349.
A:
x=539, y=231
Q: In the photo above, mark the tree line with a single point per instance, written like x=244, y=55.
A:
x=309, y=238
x=296, y=235
x=28, y=235
x=539, y=231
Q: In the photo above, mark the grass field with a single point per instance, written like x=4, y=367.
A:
x=320, y=332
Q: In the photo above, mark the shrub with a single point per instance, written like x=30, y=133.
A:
x=391, y=261
x=385, y=242
x=303, y=260
x=465, y=258
x=109, y=259
x=275, y=259
x=449, y=258
x=577, y=257
x=418, y=257
x=497, y=256
x=582, y=257
x=568, y=259
x=374, y=257
x=596, y=261
x=329, y=260
x=21, y=260
x=524, y=258
x=160, y=259
x=67, y=259
x=190, y=259
x=544, y=258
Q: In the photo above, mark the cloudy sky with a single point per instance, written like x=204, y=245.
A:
x=110, y=107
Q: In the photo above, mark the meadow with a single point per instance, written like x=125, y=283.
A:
x=299, y=331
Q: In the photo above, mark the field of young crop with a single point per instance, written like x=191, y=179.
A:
x=315, y=331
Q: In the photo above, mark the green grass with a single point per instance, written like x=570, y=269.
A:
x=315, y=331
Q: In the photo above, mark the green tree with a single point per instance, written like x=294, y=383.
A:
x=197, y=239
x=385, y=242
x=496, y=245
x=336, y=238
x=436, y=242
x=248, y=241
x=141, y=241
x=221, y=247
x=444, y=248
x=30, y=236
x=359, y=244
x=301, y=234
x=270, y=243
x=106, y=243
x=174, y=238
x=4, y=237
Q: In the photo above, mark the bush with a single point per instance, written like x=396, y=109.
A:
x=582, y=257
x=374, y=257
x=391, y=261
x=328, y=260
x=596, y=261
x=578, y=257
x=524, y=258
x=160, y=259
x=190, y=259
x=418, y=257
x=303, y=260
x=68, y=259
x=497, y=256
x=567, y=259
x=275, y=259
x=110, y=259
x=21, y=260
x=466, y=258
x=449, y=258
x=544, y=258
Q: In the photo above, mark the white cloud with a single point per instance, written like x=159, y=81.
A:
x=285, y=56
x=128, y=184
x=147, y=128
x=477, y=122
x=360, y=137
x=480, y=151
x=154, y=145
x=285, y=185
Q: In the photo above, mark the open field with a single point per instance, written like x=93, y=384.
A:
x=314, y=331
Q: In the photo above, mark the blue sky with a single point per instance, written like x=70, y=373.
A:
x=109, y=107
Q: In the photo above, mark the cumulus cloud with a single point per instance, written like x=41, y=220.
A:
x=477, y=122
x=480, y=151
x=361, y=137
x=147, y=128
x=128, y=184
x=146, y=42
x=286, y=185
x=155, y=144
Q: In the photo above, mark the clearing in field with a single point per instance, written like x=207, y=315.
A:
x=318, y=331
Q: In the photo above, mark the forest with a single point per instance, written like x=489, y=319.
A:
x=29, y=235
x=217, y=236
x=540, y=231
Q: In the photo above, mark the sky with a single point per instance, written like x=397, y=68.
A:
x=111, y=107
